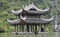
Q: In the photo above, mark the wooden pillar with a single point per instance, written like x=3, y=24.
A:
x=22, y=28
x=31, y=28
x=45, y=27
x=36, y=29
x=16, y=29
x=42, y=28
x=27, y=27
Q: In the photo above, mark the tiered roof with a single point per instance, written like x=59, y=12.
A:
x=30, y=9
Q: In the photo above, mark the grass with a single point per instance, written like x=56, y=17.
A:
x=52, y=34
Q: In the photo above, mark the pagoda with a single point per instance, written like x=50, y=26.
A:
x=30, y=17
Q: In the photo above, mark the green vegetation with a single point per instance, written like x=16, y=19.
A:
x=7, y=5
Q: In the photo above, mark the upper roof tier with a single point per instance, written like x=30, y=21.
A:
x=31, y=9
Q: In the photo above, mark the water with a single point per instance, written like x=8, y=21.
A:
x=51, y=34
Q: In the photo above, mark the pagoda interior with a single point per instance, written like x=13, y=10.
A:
x=29, y=19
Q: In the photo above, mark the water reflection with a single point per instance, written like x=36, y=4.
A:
x=32, y=35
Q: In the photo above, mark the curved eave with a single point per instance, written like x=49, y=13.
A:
x=17, y=12
x=38, y=11
x=52, y=18
x=35, y=12
x=43, y=10
x=36, y=20
x=17, y=21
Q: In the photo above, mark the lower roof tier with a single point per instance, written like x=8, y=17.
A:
x=17, y=21
x=37, y=20
x=30, y=20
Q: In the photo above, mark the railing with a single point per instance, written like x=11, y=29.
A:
x=41, y=34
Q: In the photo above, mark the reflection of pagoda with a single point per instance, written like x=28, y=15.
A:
x=29, y=18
